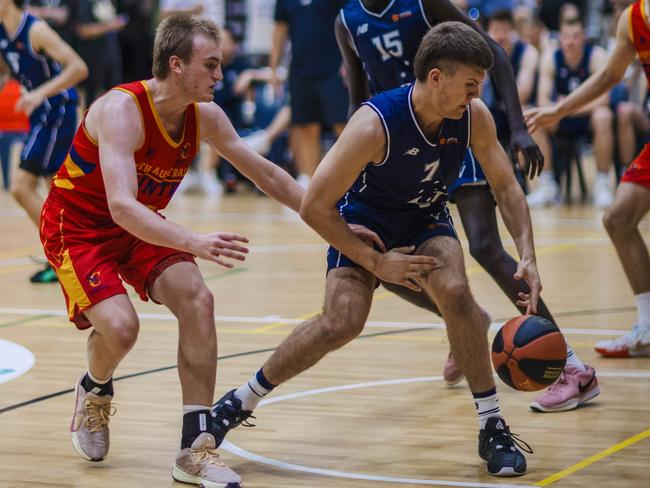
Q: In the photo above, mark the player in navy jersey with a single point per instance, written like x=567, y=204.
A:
x=389, y=171
x=48, y=69
x=562, y=71
x=380, y=37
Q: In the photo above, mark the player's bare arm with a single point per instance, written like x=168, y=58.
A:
x=595, y=86
x=521, y=141
x=267, y=176
x=117, y=144
x=362, y=142
x=510, y=199
x=357, y=80
x=279, y=37
x=45, y=40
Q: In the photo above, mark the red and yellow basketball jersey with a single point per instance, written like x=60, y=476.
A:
x=640, y=35
x=160, y=162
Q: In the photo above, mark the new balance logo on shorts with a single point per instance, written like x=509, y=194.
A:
x=412, y=152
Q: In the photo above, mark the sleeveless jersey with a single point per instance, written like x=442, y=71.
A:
x=416, y=171
x=32, y=69
x=640, y=35
x=160, y=162
x=568, y=79
x=386, y=42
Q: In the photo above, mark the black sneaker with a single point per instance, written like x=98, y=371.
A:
x=46, y=275
x=227, y=414
x=499, y=448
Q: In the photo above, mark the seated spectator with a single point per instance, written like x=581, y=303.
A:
x=561, y=72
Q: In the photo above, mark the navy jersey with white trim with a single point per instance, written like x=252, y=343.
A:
x=415, y=172
x=386, y=42
x=30, y=68
x=568, y=79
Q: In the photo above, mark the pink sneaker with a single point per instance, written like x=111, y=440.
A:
x=452, y=373
x=573, y=388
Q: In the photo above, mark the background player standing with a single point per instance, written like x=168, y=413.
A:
x=48, y=69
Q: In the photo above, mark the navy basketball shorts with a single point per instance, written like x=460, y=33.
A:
x=49, y=140
x=572, y=127
x=396, y=229
x=471, y=174
x=321, y=101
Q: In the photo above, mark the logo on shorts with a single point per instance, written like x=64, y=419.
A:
x=94, y=279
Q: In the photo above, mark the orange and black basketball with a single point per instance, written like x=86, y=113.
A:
x=529, y=353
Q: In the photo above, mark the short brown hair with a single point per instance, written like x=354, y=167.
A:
x=175, y=37
x=449, y=44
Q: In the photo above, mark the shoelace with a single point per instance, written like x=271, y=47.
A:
x=236, y=416
x=98, y=415
x=512, y=438
x=208, y=455
x=560, y=381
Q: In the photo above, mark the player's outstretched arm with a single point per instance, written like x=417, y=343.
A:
x=45, y=40
x=595, y=86
x=510, y=199
x=267, y=176
x=356, y=78
x=117, y=144
x=362, y=142
x=504, y=80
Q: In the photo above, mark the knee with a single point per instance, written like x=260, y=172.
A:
x=453, y=295
x=601, y=118
x=124, y=332
x=199, y=301
x=486, y=253
x=338, y=329
x=18, y=191
x=616, y=222
x=624, y=113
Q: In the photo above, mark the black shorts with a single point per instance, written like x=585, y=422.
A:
x=323, y=101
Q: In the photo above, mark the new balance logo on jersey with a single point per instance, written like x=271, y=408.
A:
x=362, y=29
x=414, y=151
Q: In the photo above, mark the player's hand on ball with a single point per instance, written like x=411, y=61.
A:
x=218, y=245
x=527, y=270
x=400, y=266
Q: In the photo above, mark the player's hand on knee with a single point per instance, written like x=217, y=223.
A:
x=219, y=245
x=400, y=266
x=527, y=270
x=367, y=236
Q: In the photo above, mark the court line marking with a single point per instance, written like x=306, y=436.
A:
x=275, y=320
x=592, y=459
x=238, y=451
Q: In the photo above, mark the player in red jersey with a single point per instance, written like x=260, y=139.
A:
x=632, y=200
x=101, y=224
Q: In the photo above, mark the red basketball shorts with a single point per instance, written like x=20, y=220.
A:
x=91, y=260
x=639, y=170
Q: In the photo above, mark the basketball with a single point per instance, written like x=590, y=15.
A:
x=529, y=353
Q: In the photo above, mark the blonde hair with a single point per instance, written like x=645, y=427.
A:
x=175, y=37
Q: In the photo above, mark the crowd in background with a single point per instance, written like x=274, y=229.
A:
x=115, y=37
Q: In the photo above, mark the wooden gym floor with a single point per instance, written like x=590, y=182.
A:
x=372, y=414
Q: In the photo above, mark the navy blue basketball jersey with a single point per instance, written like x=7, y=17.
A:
x=386, y=42
x=415, y=171
x=31, y=69
x=568, y=79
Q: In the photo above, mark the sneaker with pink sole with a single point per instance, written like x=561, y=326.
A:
x=89, y=426
x=573, y=388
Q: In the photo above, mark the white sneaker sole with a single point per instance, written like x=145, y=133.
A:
x=179, y=475
x=569, y=404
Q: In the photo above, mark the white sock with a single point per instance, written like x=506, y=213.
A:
x=251, y=393
x=573, y=359
x=194, y=408
x=643, y=309
x=487, y=406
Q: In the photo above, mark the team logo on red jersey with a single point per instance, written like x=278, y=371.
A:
x=185, y=150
